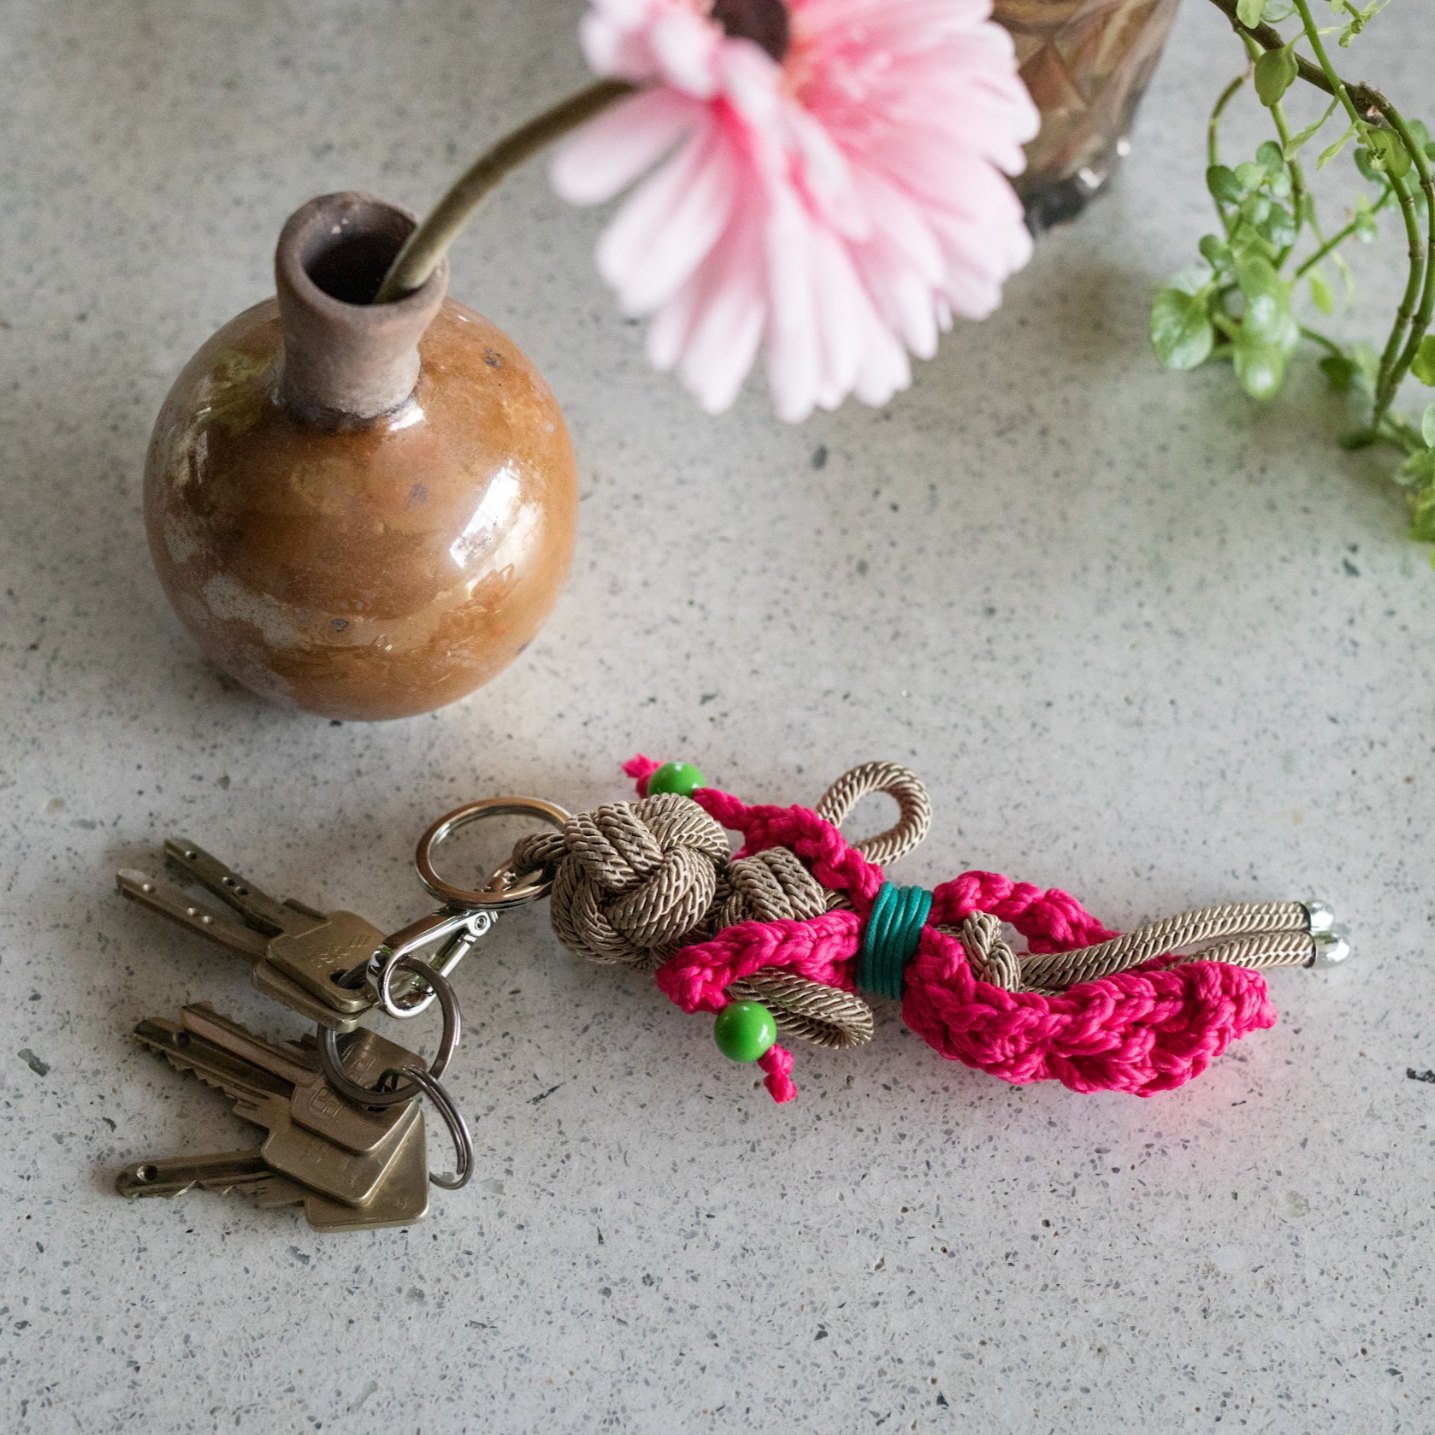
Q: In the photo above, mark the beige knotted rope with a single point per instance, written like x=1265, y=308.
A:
x=634, y=882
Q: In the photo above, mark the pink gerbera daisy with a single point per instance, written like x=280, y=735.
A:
x=832, y=184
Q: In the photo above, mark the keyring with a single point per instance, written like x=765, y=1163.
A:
x=332, y=1061
x=458, y=1130
x=503, y=891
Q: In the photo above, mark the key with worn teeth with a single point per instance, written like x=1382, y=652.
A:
x=401, y=1200
x=297, y=952
x=332, y=1149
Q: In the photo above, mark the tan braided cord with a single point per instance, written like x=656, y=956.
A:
x=808, y=1010
x=914, y=808
x=987, y=950
x=1046, y=970
x=633, y=882
x=1270, y=949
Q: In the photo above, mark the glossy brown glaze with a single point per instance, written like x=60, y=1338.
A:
x=372, y=571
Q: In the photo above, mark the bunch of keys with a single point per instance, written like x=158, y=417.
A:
x=346, y=1135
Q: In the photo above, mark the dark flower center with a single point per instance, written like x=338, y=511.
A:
x=762, y=21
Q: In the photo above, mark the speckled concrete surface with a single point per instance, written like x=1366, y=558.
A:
x=1141, y=638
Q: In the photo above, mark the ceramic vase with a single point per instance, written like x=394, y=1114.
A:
x=363, y=511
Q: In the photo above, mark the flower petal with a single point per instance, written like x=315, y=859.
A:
x=669, y=224
x=604, y=157
x=838, y=207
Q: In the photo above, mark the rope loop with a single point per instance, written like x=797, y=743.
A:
x=914, y=808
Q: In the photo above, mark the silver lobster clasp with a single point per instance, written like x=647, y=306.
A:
x=466, y=914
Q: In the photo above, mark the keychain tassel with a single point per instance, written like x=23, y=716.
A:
x=799, y=919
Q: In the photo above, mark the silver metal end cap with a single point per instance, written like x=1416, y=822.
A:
x=1320, y=915
x=1331, y=947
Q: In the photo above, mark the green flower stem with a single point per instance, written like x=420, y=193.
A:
x=1389, y=359
x=1316, y=337
x=1213, y=141
x=427, y=245
x=1293, y=169
x=1270, y=39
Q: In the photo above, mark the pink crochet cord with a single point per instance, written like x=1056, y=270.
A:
x=1145, y=1030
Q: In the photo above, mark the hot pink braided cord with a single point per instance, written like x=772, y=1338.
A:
x=1143, y=1031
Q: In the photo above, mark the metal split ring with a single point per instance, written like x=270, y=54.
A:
x=332, y=1061
x=447, y=1107
x=506, y=889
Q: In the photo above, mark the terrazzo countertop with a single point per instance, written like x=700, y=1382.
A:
x=1143, y=640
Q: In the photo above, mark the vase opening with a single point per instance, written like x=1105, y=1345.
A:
x=348, y=260
x=347, y=359
x=353, y=267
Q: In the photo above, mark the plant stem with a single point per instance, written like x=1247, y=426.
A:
x=1213, y=141
x=1420, y=325
x=1293, y=169
x=1270, y=39
x=1316, y=337
x=426, y=246
x=1338, y=238
x=1213, y=127
x=1390, y=359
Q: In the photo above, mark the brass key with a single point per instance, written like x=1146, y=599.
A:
x=339, y=1150
x=296, y=950
x=401, y=1200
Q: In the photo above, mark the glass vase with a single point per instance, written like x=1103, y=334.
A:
x=1087, y=64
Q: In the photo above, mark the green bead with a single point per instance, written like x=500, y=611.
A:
x=680, y=777
x=744, y=1031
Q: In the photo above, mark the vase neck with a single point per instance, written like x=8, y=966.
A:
x=346, y=359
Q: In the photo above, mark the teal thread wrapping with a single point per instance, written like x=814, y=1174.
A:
x=890, y=942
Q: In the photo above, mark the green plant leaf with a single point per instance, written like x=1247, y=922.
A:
x=1278, y=226
x=1367, y=364
x=1267, y=322
x=1330, y=152
x=1346, y=273
x=1275, y=73
x=1260, y=369
x=1427, y=425
x=1339, y=371
x=1194, y=280
x=1417, y=469
x=1247, y=242
x=1224, y=185
x=1250, y=175
x=1388, y=154
x=1181, y=331
x=1249, y=12
x=1215, y=252
x=1320, y=294
x=1270, y=157
x=1423, y=366
x=1365, y=227
x=1298, y=140
x=1422, y=520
